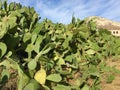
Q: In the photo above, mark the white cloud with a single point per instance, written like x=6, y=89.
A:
x=17, y=1
x=62, y=10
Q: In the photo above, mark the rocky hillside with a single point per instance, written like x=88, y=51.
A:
x=104, y=23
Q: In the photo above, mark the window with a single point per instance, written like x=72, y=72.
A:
x=116, y=32
x=113, y=32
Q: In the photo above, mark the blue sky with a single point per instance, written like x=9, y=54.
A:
x=62, y=10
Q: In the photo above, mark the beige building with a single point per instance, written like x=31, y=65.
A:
x=114, y=29
x=115, y=32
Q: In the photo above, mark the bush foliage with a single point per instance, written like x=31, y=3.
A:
x=52, y=56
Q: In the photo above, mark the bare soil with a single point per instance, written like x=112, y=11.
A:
x=115, y=84
x=11, y=83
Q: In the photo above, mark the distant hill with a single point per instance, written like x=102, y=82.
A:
x=112, y=26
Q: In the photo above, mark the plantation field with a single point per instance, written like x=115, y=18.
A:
x=42, y=55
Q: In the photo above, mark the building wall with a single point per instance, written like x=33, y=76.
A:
x=115, y=32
